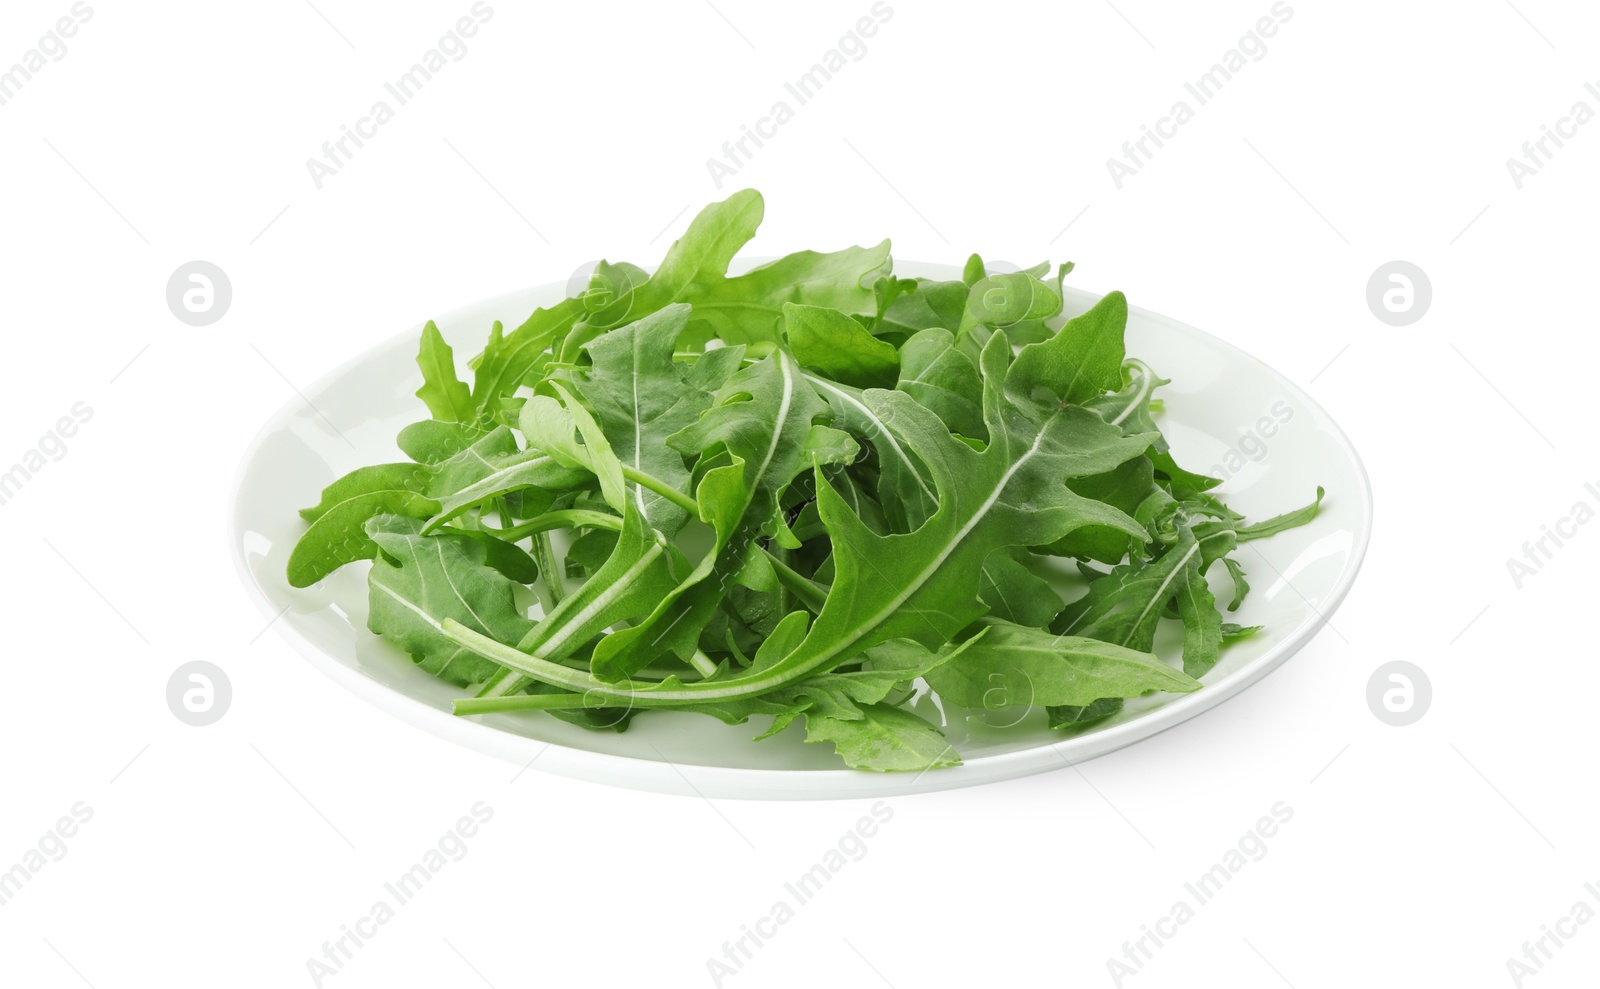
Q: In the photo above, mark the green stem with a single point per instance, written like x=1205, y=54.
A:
x=549, y=567
x=663, y=489
x=702, y=663
x=518, y=702
x=621, y=693
x=566, y=518
x=812, y=594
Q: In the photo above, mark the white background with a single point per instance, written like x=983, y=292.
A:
x=1369, y=132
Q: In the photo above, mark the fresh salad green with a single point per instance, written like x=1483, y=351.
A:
x=815, y=491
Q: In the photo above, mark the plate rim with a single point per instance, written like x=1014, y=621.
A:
x=801, y=784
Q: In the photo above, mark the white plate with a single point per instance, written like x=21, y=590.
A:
x=1217, y=398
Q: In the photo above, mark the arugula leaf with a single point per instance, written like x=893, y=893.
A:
x=903, y=490
x=760, y=435
x=945, y=380
x=1125, y=606
x=1083, y=360
x=421, y=579
x=930, y=304
x=1014, y=592
x=432, y=441
x=923, y=585
x=1015, y=665
x=840, y=347
x=699, y=258
x=1002, y=299
x=447, y=398
x=884, y=739
x=1282, y=523
x=338, y=522
x=640, y=397
x=1077, y=717
x=642, y=568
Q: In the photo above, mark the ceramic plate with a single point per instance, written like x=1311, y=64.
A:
x=1226, y=413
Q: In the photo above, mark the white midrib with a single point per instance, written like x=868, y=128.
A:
x=423, y=579
x=783, y=416
x=735, y=688
x=899, y=452
x=619, y=586
x=638, y=430
x=933, y=566
x=601, y=601
x=1146, y=386
x=1161, y=591
x=488, y=482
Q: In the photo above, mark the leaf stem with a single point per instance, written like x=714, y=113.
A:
x=663, y=489
x=702, y=663
x=518, y=702
x=812, y=594
x=566, y=518
x=549, y=567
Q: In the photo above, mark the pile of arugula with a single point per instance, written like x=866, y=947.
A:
x=809, y=491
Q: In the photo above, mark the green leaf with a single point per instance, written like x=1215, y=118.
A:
x=759, y=433
x=1014, y=592
x=903, y=488
x=419, y=580
x=643, y=567
x=1125, y=606
x=570, y=435
x=749, y=307
x=432, y=441
x=338, y=536
x=1018, y=666
x=1131, y=408
x=924, y=585
x=506, y=557
x=931, y=304
x=507, y=361
x=1077, y=717
x=885, y=739
x=699, y=258
x=944, y=380
x=1241, y=587
x=1124, y=489
x=1202, y=623
x=1284, y=522
x=493, y=468
x=1004, y=298
x=839, y=347
x=640, y=397
x=889, y=667
x=1082, y=361
x=448, y=399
